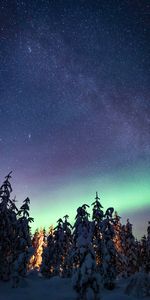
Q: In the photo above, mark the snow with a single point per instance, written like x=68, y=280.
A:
x=35, y=287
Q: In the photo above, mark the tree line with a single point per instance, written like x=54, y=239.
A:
x=94, y=252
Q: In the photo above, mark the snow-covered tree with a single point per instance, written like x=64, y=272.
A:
x=148, y=248
x=8, y=229
x=97, y=210
x=38, y=244
x=108, y=268
x=139, y=285
x=117, y=233
x=119, y=243
x=86, y=280
x=97, y=218
x=24, y=244
x=66, y=244
x=82, y=226
x=15, y=239
x=48, y=254
x=58, y=246
x=143, y=253
x=130, y=249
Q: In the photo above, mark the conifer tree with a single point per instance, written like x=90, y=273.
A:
x=38, y=244
x=8, y=229
x=119, y=244
x=148, y=248
x=143, y=253
x=58, y=246
x=86, y=281
x=48, y=254
x=108, y=251
x=82, y=227
x=24, y=244
x=144, y=256
x=97, y=218
x=130, y=250
x=67, y=244
x=14, y=234
x=139, y=285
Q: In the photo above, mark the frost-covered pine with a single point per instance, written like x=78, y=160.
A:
x=143, y=253
x=119, y=243
x=55, y=257
x=148, y=248
x=24, y=244
x=81, y=221
x=117, y=233
x=8, y=229
x=97, y=210
x=66, y=244
x=47, y=265
x=97, y=218
x=108, y=268
x=38, y=245
x=15, y=239
x=54, y=253
x=85, y=280
x=130, y=250
x=81, y=227
x=139, y=285
x=58, y=246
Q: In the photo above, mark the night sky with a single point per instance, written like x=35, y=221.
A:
x=74, y=105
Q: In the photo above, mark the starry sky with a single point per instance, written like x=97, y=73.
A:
x=74, y=105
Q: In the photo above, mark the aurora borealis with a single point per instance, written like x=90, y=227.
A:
x=74, y=106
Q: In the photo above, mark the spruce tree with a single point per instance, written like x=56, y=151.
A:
x=8, y=229
x=48, y=254
x=38, y=244
x=58, y=246
x=148, y=248
x=109, y=271
x=130, y=250
x=119, y=244
x=67, y=244
x=24, y=244
x=86, y=281
x=97, y=218
x=143, y=253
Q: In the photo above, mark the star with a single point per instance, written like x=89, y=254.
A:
x=29, y=49
x=74, y=94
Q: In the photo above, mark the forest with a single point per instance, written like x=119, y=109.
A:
x=94, y=251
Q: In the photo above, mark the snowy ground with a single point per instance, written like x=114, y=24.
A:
x=37, y=288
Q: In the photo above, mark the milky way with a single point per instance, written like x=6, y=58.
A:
x=74, y=104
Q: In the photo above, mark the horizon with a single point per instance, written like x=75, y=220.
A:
x=74, y=106
x=139, y=216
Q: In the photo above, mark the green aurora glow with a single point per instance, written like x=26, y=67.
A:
x=126, y=191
